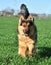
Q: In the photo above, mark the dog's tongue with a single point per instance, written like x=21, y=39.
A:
x=26, y=34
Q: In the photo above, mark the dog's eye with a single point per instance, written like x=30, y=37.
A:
x=31, y=23
x=21, y=24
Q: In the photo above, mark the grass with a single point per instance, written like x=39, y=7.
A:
x=9, y=43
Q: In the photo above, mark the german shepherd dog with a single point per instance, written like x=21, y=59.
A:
x=27, y=33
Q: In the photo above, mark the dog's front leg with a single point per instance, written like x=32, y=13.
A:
x=31, y=47
x=22, y=51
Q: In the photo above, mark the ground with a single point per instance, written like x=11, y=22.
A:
x=9, y=43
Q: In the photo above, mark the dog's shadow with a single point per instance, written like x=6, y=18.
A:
x=44, y=52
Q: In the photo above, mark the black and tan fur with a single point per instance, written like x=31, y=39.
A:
x=27, y=36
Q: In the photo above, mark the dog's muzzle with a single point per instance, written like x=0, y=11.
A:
x=26, y=32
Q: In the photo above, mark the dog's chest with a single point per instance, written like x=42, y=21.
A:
x=25, y=39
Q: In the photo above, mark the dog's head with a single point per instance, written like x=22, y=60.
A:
x=27, y=24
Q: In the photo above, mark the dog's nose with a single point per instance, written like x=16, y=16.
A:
x=27, y=32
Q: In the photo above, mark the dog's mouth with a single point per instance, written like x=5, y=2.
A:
x=26, y=32
x=26, y=35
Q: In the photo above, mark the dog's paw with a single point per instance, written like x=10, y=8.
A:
x=21, y=54
x=30, y=54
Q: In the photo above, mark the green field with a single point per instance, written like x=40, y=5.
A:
x=9, y=43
